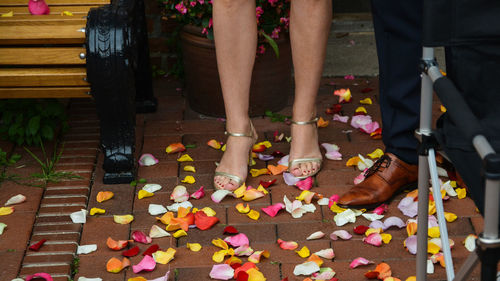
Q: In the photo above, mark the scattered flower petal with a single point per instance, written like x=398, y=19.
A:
x=140, y=237
x=290, y=179
x=323, y=201
x=257, y=255
x=151, y=187
x=360, y=261
x=189, y=179
x=179, y=233
x=230, y=230
x=366, y=101
x=132, y=252
x=114, y=265
x=344, y=95
x=411, y=244
x=218, y=195
x=155, y=209
x=204, y=222
x=175, y=147
x=386, y=237
x=361, y=109
x=164, y=257
x=104, y=196
x=151, y=250
x=372, y=216
x=461, y=193
x=253, y=214
x=306, y=268
x=189, y=168
x=175, y=207
x=252, y=194
x=393, y=221
x=157, y=232
x=345, y=217
x=222, y=272
x=470, y=242
x=35, y=247
x=15, y=200
x=43, y=275
x=179, y=194
x=214, y=144
x=273, y=210
x=143, y=193
x=94, y=211
x=185, y=158
x=259, y=172
x=265, y=157
x=237, y=240
x=304, y=252
x=408, y=206
x=343, y=234
x=305, y=184
x=316, y=235
x=373, y=239
x=195, y=247
x=78, y=216
x=288, y=245
x=116, y=245
x=86, y=249
x=326, y=253
x=339, y=118
x=321, y=123
x=125, y=219
x=200, y=193
x=277, y=170
x=148, y=159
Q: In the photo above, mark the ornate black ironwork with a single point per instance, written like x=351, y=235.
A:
x=114, y=66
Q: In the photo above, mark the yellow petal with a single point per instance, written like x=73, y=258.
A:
x=411, y=278
x=242, y=209
x=442, y=108
x=450, y=217
x=254, y=215
x=164, y=257
x=255, y=275
x=252, y=194
x=179, y=233
x=267, y=144
x=209, y=211
x=432, y=248
x=189, y=179
x=336, y=209
x=232, y=260
x=353, y=161
x=306, y=196
x=94, y=211
x=104, y=195
x=6, y=211
x=66, y=13
x=304, y=252
x=411, y=228
x=195, y=247
x=461, y=193
x=125, y=219
x=453, y=184
x=366, y=101
x=219, y=256
x=143, y=193
x=432, y=207
x=220, y=243
x=240, y=191
x=433, y=232
x=377, y=153
x=185, y=158
x=139, y=278
x=386, y=237
x=322, y=123
x=262, y=189
x=413, y=193
x=259, y=172
x=361, y=109
x=9, y=14
x=189, y=168
x=165, y=219
x=373, y=230
x=214, y=144
x=172, y=227
x=223, y=148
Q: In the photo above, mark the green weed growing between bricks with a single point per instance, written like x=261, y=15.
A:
x=8, y=162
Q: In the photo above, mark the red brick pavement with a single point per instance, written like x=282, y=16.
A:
x=46, y=213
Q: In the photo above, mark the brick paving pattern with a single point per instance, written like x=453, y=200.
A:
x=45, y=214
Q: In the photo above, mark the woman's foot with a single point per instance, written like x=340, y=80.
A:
x=233, y=167
x=305, y=156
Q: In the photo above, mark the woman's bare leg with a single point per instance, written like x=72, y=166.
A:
x=235, y=32
x=310, y=22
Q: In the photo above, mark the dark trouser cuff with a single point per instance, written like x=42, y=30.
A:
x=407, y=155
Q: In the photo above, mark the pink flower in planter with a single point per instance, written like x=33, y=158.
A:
x=210, y=23
x=181, y=8
x=286, y=21
x=201, y=1
x=192, y=3
x=272, y=2
x=276, y=32
x=259, y=11
x=261, y=49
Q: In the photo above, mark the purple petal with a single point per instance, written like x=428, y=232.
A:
x=432, y=221
x=408, y=206
x=265, y=157
x=284, y=161
x=357, y=121
x=339, y=118
x=394, y=221
x=290, y=179
x=411, y=244
x=222, y=272
x=377, y=224
x=333, y=155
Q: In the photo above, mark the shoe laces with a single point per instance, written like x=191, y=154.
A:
x=382, y=162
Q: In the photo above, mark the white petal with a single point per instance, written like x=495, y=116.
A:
x=442, y=172
x=449, y=189
x=470, y=242
x=340, y=233
x=288, y=204
x=298, y=213
x=326, y=253
x=179, y=194
x=344, y=217
x=323, y=201
x=306, y=268
x=430, y=267
x=218, y=195
x=151, y=187
x=2, y=227
x=79, y=216
x=86, y=249
x=87, y=279
x=372, y=216
x=158, y=232
x=330, y=147
x=155, y=209
x=174, y=207
x=15, y=200
x=316, y=235
x=147, y=159
x=309, y=208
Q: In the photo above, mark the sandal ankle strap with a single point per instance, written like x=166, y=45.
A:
x=315, y=120
x=251, y=135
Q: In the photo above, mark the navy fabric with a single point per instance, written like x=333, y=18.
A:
x=398, y=34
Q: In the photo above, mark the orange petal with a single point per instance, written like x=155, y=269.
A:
x=242, y=209
x=114, y=265
x=322, y=123
x=252, y=194
x=165, y=219
x=384, y=270
x=214, y=144
x=353, y=161
x=277, y=170
x=315, y=259
x=116, y=245
x=175, y=147
x=183, y=212
x=104, y=195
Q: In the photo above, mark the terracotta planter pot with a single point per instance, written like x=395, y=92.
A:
x=271, y=78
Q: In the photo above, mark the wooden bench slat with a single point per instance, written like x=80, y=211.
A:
x=45, y=20
x=43, y=34
x=48, y=92
x=56, y=10
x=56, y=2
x=41, y=56
x=43, y=77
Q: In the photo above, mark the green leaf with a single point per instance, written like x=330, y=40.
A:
x=272, y=43
x=143, y=181
x=34, y=124
x=190, y=146
x=133, y=183
x=47, y=132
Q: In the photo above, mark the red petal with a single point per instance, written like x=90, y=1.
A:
x=285, y=279
x=337, y=108
x=372, y=274
x=359, y=113
x=366, y=90
x=149, y=251
x=204, y=222
x=235, y=265
x=242, y=276
x=230, y=230
x=244, y=268
x=259, y=148
x=35, y=247
x=360, y=229
x=131, y=252
x=267, y=184
x=277, y=154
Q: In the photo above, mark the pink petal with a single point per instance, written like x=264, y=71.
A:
x=222, y=272
x=243, y=250
x=199, y=193
x=339, y=118
x=43, y=275
x=343, y=234
x=163, y=278
x=326, y=253
x=408, y=206
x=394, y=221
x=288, y=245
x=333, y=199
x=237, y=240
x=377, y=224
x=411, y=244
x=359, y=261
x=333, y=155
x=381, y=209
x=146, y=264
x=273, y=210
x=290, y=179
x=370, y=127
x=305, y=184
x=373, y=239
x=357, y=121
x=361, y=177
x=432, y=221
x=330, y=147
x=349, y=77
x=140, y=237
x=218, y=195
x=179, y=194
x=316, y=235
x=147, y=159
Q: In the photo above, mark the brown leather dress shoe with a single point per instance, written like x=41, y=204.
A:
x=387, y=177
